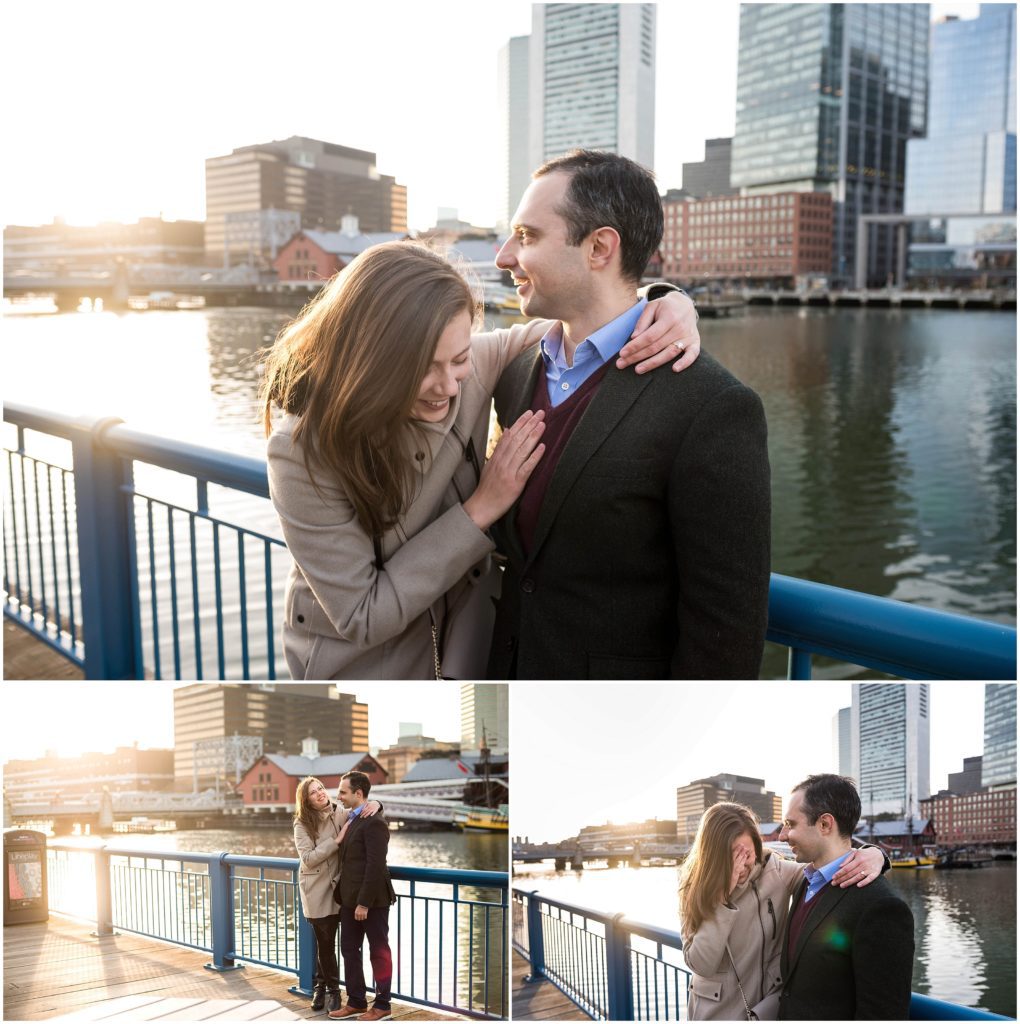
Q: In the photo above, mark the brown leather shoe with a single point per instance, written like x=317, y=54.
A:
x=376, y=1014
x=347, y=1013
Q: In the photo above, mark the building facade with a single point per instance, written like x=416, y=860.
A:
x=710, y=177
x=484, y=708
x=827, y=97
x=258, y=196
x=592, y=80
x=890, y=746
x=53, y=778
x=987, y=817
x=512, y=96
x=963, y=175
x=280, y=716
x=841, y=742
x=399, y=758
x=968, y=780
x=315, y=256
x=998, y=765
x=609, y=836
x=695, y=798
x=778, y=240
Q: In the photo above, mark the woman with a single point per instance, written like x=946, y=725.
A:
x=318, y=831
x=376, y=468
x=734, y=902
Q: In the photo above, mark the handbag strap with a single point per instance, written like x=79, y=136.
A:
x=747, y=1009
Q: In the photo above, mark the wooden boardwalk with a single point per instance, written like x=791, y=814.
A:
x=539, y=1000
x=56, y=969
x=25, y=657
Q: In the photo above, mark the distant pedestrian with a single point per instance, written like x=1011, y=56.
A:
x=366, y=895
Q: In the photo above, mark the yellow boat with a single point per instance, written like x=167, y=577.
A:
x=485, y=819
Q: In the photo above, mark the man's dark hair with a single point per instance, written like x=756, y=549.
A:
x=358, y=781
x=611, y=191
x=831, y=794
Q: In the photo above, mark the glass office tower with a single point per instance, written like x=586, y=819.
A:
x=967, y=165
x=998, y=765
x=827, y=97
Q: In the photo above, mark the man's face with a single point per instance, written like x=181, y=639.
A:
x=552, y=277
x=805, y=840
x=346, y=794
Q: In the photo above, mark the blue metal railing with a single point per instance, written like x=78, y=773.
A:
x=128, y=585
x=614, y=968
x=447, y=930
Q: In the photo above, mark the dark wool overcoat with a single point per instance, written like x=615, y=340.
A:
x=364, y=876
x=651, y=551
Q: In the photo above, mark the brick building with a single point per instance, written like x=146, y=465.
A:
x=769, y=240
x=318, y=255
x=983, y=818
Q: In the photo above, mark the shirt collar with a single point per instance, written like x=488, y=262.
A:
x=826, y=871
x=606, y=342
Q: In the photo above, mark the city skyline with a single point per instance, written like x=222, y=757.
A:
x=678, y=734
x=438, y=94
x=147, y=711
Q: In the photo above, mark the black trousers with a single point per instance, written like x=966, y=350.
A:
x=327, y=971
x=376, y=928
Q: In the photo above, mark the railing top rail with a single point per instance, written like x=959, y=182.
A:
x=891, y=636
x=595, y=915
x=667, y=936
x=240, y=472
x=455, y=876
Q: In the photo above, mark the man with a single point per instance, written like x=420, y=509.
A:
x=365, y=898
x=848, y=953
x=640, y=545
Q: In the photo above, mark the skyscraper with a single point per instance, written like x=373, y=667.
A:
x=592, y=80
x=841, y=742
x=484, y=706
x=889, y=746
x=967, y=164
x=998, y=765
x=512, y=93
x=696, y=797
x=827, y=97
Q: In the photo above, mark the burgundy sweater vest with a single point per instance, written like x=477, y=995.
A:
x=559, y=425
x=797, y=918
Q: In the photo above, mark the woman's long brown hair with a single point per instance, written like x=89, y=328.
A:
x=304, y=811
x=351, y=366
x=709, y=866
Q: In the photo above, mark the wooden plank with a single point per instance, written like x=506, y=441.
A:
x=539, y=1000
x=103, y=1011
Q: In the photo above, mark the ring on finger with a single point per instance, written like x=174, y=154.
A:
x=680, y=347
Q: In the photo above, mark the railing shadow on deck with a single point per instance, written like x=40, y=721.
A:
x=130, y=586
x=615, y=968
x=447, y=929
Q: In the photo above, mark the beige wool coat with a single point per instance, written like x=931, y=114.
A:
x=320, y=864
x=344, y=618
x=755, y=936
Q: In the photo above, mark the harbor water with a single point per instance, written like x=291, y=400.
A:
x=892, y=433
x=964, y=921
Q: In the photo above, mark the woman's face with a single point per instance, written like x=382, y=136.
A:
x=451, y=363
x=317, y=796
x=743, y=846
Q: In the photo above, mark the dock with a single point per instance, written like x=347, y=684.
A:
x=539, y=1000
x=26, y=657
x=58, y=968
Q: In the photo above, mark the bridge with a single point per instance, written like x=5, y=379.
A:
x=614, y=854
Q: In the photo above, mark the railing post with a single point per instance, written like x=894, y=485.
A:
x=799, y=664
x=536, y=946
x=618, y=973
x=105, y=533
x=306, y=956
x=104, y=895
x=221, y=899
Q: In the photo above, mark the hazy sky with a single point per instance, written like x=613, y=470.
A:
x=587, y=753
x=111, y=107
x=72, y=718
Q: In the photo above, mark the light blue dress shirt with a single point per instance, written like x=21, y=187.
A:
x=596, y=350
x=818, y=880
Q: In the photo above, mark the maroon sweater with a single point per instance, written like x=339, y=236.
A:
x=559, y=425
x=800, y=914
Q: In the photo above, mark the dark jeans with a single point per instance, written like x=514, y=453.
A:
x=352, y=936
x=327, y=971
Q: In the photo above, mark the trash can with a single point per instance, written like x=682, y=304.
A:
x=25, y=898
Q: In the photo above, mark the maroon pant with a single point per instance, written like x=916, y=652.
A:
x=376, y=928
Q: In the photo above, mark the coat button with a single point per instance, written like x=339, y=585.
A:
x=301, y=618
x=528, y=586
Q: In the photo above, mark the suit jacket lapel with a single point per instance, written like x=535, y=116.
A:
x=618, y=391
x=825, y=902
